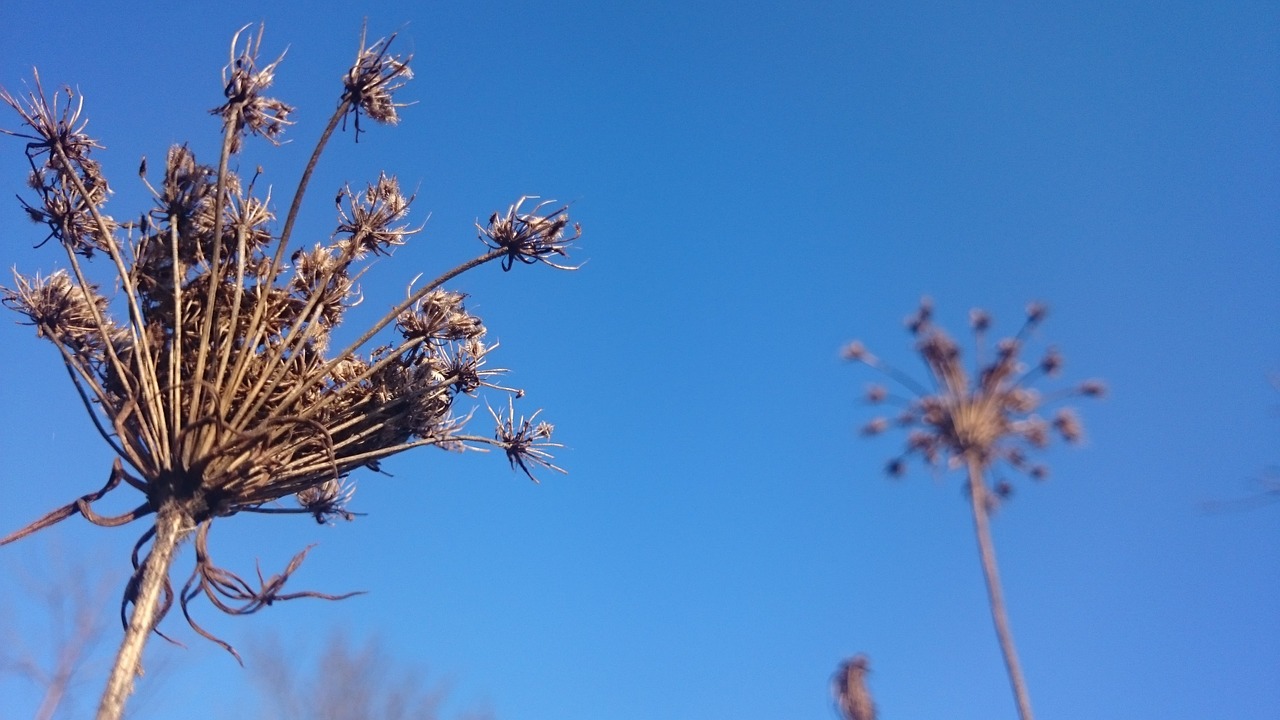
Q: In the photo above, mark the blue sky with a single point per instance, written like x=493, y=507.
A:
x=758, y=184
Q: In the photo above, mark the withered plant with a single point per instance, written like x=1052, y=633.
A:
x=849, y=688
x=349, y=680
x=205, y=359
x=981, y=424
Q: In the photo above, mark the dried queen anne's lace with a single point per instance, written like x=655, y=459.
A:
x=977, y=423
x=210, y=372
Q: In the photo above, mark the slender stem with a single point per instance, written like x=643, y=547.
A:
x=987, y=551
x=171, y=528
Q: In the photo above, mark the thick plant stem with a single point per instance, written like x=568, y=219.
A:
x=987, y=551
x=171, y=528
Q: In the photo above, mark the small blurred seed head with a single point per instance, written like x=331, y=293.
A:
x=854, y=351
x=875, y=427
x=979, y=320
x=876, y=394
x=1093, y=388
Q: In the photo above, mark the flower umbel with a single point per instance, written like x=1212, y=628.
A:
x=530, y=237
x=209, y=371
x=990, y=415
x=243, y=82
x=372, y=81
x=523, y=441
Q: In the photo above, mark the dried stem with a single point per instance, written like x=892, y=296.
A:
x=150, y=582
x=987, y=552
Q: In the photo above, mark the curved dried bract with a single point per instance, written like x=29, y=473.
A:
x=208, y=368
x=233, y=595
x=82, y=505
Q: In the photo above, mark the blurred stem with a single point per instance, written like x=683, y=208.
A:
x=987, y=551
x=151, y=582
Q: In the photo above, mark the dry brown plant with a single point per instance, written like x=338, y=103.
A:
x=849, y=687
x=349, y=681
x=977, y=423
x=205, y=360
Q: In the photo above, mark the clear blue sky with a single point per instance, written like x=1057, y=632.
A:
x=758, y=184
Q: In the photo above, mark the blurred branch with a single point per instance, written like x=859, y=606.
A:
x=349, y=681
x=72, y=597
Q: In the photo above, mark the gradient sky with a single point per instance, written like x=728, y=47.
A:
x=758, y=184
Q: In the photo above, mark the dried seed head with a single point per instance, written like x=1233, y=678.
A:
x=219, y=391
x=855, y=352
x=1036, y=312
x=65, y=312
x=246, y=109
x=523, y=441
x=1034, y=430
x=369, y=220
x=1093, y=388
x=1051, y=363
x=875, y=427
x=1068, y=425
x=960, y=422
x=372, y=81
x=328, y=500
x=438, y=317
x=922, y=318
x=1020, y=400
x=530, y=237
x=979, y=320
x=876, y=394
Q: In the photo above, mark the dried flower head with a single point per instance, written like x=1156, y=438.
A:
x=209, y=371
x=530, y=237
x=243, y=82
x=849, y=687
x=372, y=81
x=523, y=440
x=988, y=414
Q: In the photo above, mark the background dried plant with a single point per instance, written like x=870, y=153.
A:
x=350, y=681
x=206, y=361
x=849, y=687
x=59, y=652
x=979, y=423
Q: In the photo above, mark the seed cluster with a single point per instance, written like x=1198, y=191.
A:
x=991, y=416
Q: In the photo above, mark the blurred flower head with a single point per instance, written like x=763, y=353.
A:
x=988, y=414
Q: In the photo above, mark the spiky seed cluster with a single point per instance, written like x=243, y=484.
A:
x=990, y=416
x=524, y=440
x=217, y=388
x=371, y=221
x=69, y=182
x=372, y=81
x=246, y=108
x=530, y=237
